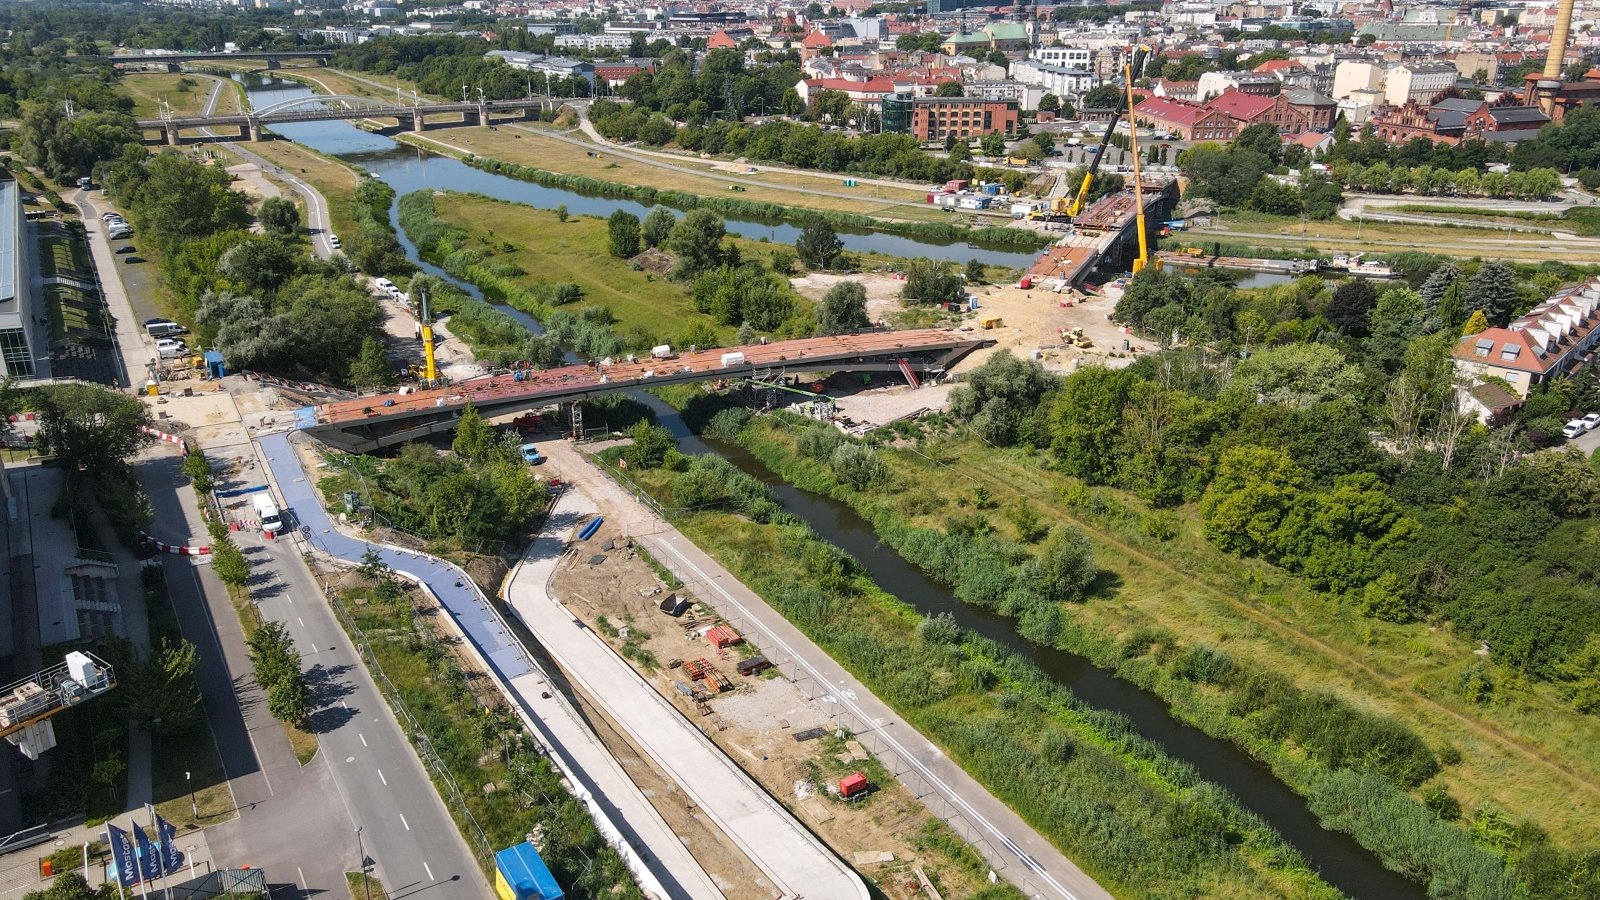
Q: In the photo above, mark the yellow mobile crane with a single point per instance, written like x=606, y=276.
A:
x=1143, y=259
x=430, y=369
x=1060, y=206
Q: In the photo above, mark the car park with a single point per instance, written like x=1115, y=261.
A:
x=1574, y=428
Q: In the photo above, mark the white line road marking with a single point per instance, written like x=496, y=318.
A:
x=383, y=779
x=429, y=871
x=301, y=621
x=404, y=822
x=363, y=738
x=303, y=886
x=342, y=706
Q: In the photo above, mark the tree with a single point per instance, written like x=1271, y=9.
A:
x=289, y=700
x=950, y=88
x=657, y=225
x=1396, y=320
x=1350, y=306
x=180, y=199
x=1297, y=375
x=561, y=211
x=279, y=215
x=372, y=369
x=1579, y=675
x=1494, y=290
x=229, y=563
x=1321, y=197
x=1049, y=103
x=1475, y=324
x=1276, y=198
x=273, y=654
x=1263, y=138
x=697, y=241
x=1433, y=289
x=1252, y=492
x=649, y=447
x=858, y=465
x=1086, y=420
x=261, y=265
x=1066, y=562
x=474, y=438
x=817, y=246
x=992, y=144
x=1000, y=394
x=163, y=687
x=70, y=885
x=90, y=428
x=931, y=281
x=844, y=309
x=623, y=230
x=1105, y=96
x=198, y=470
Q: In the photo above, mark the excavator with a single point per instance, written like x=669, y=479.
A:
x=1062, y=209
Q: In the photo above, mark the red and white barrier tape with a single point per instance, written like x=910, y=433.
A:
x=162, y=435
x=177, y=549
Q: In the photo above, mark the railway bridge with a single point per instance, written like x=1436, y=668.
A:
x=365, y=424
x=252, y=126
x=173, y=62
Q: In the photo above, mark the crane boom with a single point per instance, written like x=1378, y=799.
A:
x=1124, y=105
x=1143, y=259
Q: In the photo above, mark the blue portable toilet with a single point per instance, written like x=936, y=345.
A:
x=214, y=367
x=521, y=874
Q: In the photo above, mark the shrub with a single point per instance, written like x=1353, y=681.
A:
x=858, y=466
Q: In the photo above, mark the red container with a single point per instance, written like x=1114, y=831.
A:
x=852, y=785
x=1026, y=283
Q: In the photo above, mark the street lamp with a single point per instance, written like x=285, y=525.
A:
x=194, y=806
x=365, y=883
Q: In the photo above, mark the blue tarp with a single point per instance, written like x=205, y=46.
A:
x=525, y=872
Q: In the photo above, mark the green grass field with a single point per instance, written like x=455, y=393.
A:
x=184, y=93
x=550, y=250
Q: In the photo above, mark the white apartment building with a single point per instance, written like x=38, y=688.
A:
x=1069, y=57
x=1053, y=79
x=1417, y=81
x=594, y=41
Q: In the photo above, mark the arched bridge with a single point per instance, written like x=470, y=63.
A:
x=273, y=58
x=371, y=423
x=324, y=107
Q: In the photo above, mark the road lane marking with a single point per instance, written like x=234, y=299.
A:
x=363, y=738
x=301, y=621
x=306, y=888
x=383, y=779
x=429, y=871
x=404, y=822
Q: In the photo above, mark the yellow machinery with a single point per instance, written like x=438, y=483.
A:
x=1143, y=259
x=1061, y=206
x=430, y=369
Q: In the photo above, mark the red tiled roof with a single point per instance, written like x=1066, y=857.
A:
x=1275, y=65
x=870, y=86
x=816, y=39
x=1538, y=341
x=721, y=41
x=1236, y=104
x=1165, y=109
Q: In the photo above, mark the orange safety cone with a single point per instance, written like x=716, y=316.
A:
x=267, y=534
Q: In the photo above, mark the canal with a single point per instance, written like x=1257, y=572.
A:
x=1341, y=861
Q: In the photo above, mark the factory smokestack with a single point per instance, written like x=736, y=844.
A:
x=1550, y=83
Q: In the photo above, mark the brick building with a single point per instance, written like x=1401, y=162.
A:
x=933, y=118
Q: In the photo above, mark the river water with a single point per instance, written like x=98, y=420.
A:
x=408, y=169
x=1341, y=861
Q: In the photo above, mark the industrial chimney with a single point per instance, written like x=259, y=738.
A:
x=1550, y=83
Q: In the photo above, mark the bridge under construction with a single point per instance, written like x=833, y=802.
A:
x=365, y=424
x=253, y=125
x=1105, y=237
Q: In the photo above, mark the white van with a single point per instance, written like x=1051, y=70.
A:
x=267, y=512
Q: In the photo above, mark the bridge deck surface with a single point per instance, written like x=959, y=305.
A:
x=778, y=354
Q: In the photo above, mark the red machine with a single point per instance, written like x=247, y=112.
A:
x=853, y=785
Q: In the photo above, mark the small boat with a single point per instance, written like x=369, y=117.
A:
x=1355, y=265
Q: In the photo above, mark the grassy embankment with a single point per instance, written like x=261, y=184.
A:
x=1375, y=237
x=336, y=181
x=1088, y=782
x=1580, y=220
x=185, y=94
x=1529, y=756
x=527, y=146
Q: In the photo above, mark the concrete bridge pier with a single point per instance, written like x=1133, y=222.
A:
x=252, y=130
x=273, y=65
x=174, y=68
x=479, y=116
x=171, y=134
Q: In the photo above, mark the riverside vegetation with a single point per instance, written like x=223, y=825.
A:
x=1276, y=677
x=1083, y=777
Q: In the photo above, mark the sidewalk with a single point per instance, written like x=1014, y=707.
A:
x=138, y=352
x=1014, y=850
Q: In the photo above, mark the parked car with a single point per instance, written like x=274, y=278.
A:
x=119, y=232
x=163, y=328
x=1591, y=421
x=106, y=217
x=333, y=241
x=167, y=348
x=531, y=454
x=1575, y=428
x=125, y=248
x=130, y=260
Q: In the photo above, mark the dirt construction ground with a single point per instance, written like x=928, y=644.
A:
x=756, y=723
x=1031, y=323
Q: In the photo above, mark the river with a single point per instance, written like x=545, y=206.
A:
x=1341, y=861
x=409, y=169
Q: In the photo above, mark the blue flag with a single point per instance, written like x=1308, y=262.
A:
x=171, y=856
x=122, y=854
x=149, y=862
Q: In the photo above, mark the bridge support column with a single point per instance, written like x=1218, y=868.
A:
x=173, y=68
x=252, y=129
x=417, y=123
x=273, y=65
x=480, y=117
x=172, y=135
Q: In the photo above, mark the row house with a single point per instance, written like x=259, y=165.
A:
x=1455, y=119
x=1185, y=120
x=1053, y=79
x=1544, y=344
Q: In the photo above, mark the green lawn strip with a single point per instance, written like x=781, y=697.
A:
x=1084, y=778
